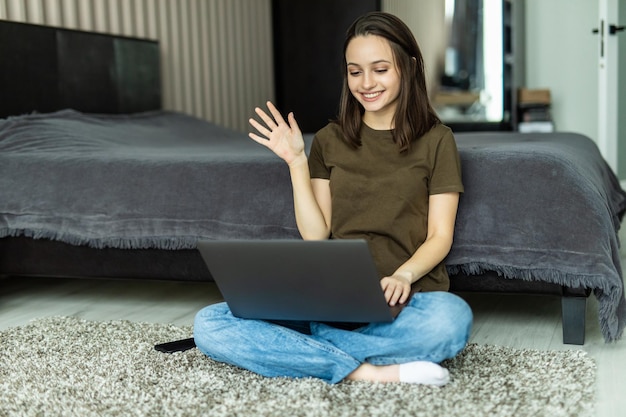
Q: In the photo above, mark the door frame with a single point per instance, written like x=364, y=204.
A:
x=608, y=83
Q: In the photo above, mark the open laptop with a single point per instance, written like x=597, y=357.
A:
x=327, y=280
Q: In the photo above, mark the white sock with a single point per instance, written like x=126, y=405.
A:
x=422, y=372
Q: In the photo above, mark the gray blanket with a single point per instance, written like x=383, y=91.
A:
x=542, y=207
x=154, y=180
x=536, y=207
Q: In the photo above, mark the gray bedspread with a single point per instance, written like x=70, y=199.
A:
x=153, y=180
x=542, y=207
x=536, y=207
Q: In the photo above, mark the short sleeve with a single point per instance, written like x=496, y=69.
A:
x=317, y=167
x=446, y=174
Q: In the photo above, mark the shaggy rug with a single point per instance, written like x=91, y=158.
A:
x=65, y=366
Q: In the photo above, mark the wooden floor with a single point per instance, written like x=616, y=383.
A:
x=512, y=320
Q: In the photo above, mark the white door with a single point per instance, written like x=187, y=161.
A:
x=609, y=31
x=621, y=98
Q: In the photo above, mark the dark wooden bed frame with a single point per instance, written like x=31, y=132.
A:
x=111, y=74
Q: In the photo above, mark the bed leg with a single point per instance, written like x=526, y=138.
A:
x=573, y=311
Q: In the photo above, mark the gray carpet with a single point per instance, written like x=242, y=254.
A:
x=71, y=367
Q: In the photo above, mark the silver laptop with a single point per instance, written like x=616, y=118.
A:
x=328, y=280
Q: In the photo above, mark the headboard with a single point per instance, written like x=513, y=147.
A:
x=46, y=69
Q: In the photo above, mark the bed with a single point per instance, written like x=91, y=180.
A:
x=119, y=188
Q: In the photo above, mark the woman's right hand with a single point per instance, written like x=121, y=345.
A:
x=283, y=138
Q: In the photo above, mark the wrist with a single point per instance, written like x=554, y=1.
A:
x=406, y=275
x=298, y=161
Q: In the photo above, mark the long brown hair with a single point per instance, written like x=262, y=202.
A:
x=414, y=114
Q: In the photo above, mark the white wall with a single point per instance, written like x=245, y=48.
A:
x=562, y=54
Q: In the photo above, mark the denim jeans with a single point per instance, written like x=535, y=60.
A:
x=433, y=326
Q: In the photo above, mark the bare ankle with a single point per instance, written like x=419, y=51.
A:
x=374, y=373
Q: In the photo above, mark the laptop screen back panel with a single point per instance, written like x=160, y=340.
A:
x=297, y=280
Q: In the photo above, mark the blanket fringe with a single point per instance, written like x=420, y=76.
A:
x=611, y=309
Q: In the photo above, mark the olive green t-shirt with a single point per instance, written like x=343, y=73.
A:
x=381, y=195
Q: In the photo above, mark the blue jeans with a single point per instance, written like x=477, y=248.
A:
x=433, y=326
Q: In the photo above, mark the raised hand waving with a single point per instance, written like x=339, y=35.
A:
x=284, y=138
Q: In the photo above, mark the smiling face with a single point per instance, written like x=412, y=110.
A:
x=373, y=79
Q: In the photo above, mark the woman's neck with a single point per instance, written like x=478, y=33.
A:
x=378, y=121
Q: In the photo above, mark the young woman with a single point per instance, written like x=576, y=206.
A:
x=386, y=171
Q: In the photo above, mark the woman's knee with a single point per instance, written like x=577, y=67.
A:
x=457, y=319
x=211, y=326
x=210, y=315
x=450, y=318
x=458, y=310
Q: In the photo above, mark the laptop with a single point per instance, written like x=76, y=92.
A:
x=326, y=280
